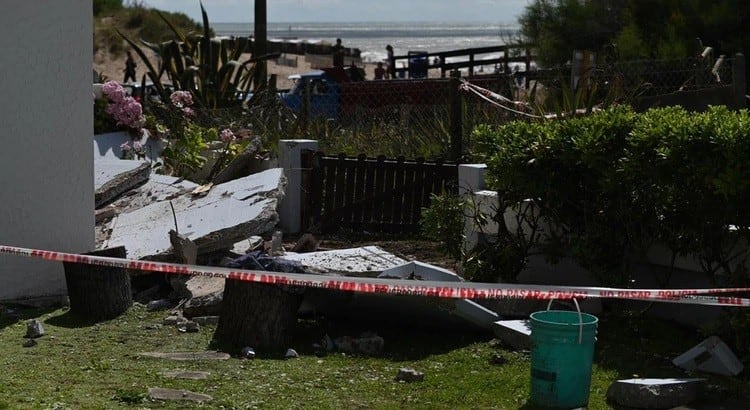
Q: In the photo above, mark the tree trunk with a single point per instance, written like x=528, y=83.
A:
x=98, y=292
x=258, y=315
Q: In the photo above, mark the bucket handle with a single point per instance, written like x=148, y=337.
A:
x=580, y=318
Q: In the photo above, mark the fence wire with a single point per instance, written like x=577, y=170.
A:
x=420, y=118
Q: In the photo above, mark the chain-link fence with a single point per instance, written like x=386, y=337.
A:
x=433, y=118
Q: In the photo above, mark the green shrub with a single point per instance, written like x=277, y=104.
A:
x=615, y=182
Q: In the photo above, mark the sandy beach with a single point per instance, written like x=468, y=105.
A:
x=112, y=68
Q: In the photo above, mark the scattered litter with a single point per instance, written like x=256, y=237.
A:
x=247, y=353
x=189, y=327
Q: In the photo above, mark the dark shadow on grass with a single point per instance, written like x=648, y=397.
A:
x=13, y=314
x=71, y=320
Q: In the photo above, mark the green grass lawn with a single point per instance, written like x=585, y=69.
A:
x=91, y=366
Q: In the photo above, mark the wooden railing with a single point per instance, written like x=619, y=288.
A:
x=375, y=194
x=405, y=64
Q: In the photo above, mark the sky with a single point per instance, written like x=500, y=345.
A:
x=239, y=11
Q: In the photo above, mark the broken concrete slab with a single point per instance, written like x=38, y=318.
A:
x=712, y=356
x=420, y=271
x=112, y=178
x=229, y=213
x=185, y=356
x=514, y=333
x=432, y=312
x=109, y=145
x=190, y=375
x=158, y=393
x=367, y=261
x=654, y=393
x=158, y=188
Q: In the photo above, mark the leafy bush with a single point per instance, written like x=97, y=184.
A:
x=613, y=183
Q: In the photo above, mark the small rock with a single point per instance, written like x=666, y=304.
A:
x=409, y=375
x=291, y=354
x=29, y=343
x=189, y=327
x=174, y=320
x=247, y=353
x=34, y=329
x=206, y=320
x=498, y=359
x=159, y=304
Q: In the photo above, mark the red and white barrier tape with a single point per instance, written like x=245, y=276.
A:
x=457, y=290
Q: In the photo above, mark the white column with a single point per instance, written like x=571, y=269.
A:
x=471, y=178
x=290, y=159
x=46, y=163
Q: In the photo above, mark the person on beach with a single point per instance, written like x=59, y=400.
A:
x=129, y=68
x=338, y=54
x=391, y=62
x=379, y=71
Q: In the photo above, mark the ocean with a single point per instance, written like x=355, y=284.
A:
x=371, y=38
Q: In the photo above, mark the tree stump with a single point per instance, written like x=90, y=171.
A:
x=98, y=292
x=258, y=315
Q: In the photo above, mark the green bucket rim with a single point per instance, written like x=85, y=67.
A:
x=581, y=316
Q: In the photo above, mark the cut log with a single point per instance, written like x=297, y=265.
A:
x=98, y=292
x=258, y=315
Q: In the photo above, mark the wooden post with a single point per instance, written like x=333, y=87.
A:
x=257, y=315
x=739, y=82
x=98, y=292
x=456, y=111
x=260, y=44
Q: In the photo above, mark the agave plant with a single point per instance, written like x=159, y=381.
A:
x=207, y=66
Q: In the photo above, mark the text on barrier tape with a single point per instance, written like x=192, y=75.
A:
x=441, y=289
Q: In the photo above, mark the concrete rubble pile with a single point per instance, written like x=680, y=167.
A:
x=146, y=213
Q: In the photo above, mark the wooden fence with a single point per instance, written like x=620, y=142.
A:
x=373, y=194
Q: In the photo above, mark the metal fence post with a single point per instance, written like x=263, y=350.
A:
x=739, y=82
x=456, y=125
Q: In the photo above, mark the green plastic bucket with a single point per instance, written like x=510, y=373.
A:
x=562, y=351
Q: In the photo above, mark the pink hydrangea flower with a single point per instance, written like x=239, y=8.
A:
x=181, y=99
x=113, y=91
x=226, y=135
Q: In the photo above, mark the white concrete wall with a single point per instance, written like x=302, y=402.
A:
x=46, y=123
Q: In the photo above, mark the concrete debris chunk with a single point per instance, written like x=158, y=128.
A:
x=190, y=375
x=654, y=393
x=514, y=333
x=229, y=213
x=158, y=393
x=409, y=375
x=187, y=356
x=112, y=178
x=712, y=356
x=34, y=329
